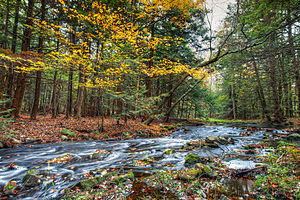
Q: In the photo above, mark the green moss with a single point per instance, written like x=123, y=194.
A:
x=87, y=183
x=205, y=168
x=192, y=159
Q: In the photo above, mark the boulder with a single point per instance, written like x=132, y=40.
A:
x=32, y=179
x=10, y=187
x=87, y=184
x=189, y=175
x=211, y=139
x=205, y=168
x=192, y=159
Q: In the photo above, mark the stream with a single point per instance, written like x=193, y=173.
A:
x=119, y=155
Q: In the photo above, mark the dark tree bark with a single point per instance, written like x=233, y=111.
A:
x=4, y=45
x=78, y=104
x=54, y=98
x=169, y=103
x=21, y=79
x=38, y=80
x=260, y=91
x=15, y=27
x=294, y=60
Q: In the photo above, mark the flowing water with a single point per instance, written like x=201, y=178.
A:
x=119, y=154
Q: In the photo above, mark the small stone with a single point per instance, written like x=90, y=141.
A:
x=31, y=179
x=15, y=141
x=64, y=137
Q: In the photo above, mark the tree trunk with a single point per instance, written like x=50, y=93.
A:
x=38, y=80
x=21, y=80
x=78, y=104
x=54, y=98
x=6, y=25
x=70, y=84
x=294, y=60
x=70, y=96
x=15, y=28
x=169, y=103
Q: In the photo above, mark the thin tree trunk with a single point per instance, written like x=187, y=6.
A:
x=233, y=101
x=38, y=80
x=169, y=103
x=70, y=96
x=70, y=84
x=78, y=104
x=54, y=99
x=6, y=24
x=15, y=27
x=294, y=61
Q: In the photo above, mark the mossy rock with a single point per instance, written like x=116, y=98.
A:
x=31, y=178
x=205, y=168
x=189, y=175
x=192, y=159
x=87, y=184
x=121, y=179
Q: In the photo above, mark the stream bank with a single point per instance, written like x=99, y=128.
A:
x=230, y=152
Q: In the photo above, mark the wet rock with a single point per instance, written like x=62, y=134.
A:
x=250, y=151
x=192, y=159
x=194, y=144
x=85, y=136
x=32, y=179
x=211, y=139
x=64, y=137
x=15, y=141
x=169, y=152
x=294, y=137
x=100, y=154
x=260, y=165
x=10, y=187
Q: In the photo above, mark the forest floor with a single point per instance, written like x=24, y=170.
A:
x=48, y=130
